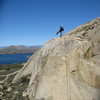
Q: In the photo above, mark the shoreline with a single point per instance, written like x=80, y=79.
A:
x=14, y=53
x=7, y=59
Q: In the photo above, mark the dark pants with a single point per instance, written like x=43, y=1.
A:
x=60, y=34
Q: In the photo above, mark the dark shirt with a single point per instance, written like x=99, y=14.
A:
x=61, y=29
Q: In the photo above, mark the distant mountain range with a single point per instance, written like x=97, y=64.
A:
x=18, y=49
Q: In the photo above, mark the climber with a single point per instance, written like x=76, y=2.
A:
x=60, y=31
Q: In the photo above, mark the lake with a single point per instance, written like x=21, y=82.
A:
x=14, y=58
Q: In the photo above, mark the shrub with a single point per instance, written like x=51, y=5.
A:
x=7, y=68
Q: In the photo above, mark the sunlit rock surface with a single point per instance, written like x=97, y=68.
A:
x=66, y=68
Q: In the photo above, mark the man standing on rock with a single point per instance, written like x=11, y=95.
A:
x=60, y=31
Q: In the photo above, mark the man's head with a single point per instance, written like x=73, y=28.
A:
x=60, y=25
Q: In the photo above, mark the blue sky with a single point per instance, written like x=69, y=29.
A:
x=33, y=22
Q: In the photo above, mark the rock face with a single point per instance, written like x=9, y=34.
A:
x=66, y=68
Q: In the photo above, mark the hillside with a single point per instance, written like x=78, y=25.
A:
x=18, y=49
x=66, y=68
